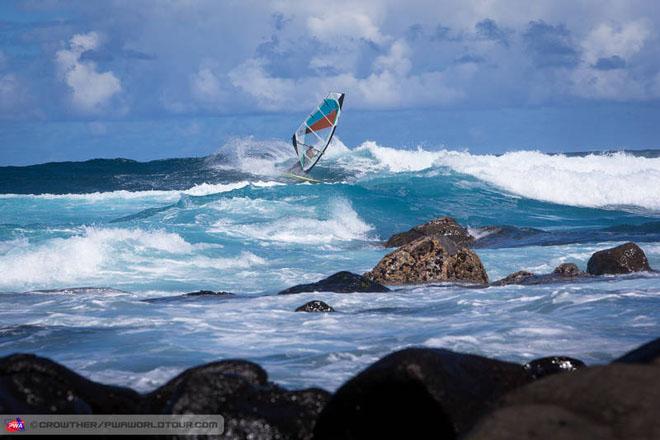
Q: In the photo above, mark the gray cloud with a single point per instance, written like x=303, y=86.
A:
x=550, y=45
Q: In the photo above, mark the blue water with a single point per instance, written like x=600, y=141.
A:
x=139, y=235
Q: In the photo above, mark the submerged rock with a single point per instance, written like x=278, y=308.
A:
x=315, y=306
x=616, y=401
x=31, y=384
x=341, y=282
x=240, y=391
x=514, y=278
x=417, y=393
x=444, y=226
x=547, y=366
x=567, y=270
x=625, y=258
x=209, y=293
x=429, y=259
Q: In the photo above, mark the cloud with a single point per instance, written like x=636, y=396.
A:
x=610, y=63
x=91, y=89
x=206, y=86
x=550, y=45
x=489, y=30
x=607, y=40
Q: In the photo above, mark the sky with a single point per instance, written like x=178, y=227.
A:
x=151, y=79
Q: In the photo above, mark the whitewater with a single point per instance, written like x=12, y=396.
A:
x=93, y=270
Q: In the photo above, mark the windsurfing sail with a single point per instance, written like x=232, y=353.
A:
x=315, y=133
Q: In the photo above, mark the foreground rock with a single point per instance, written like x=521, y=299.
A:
x=34, y=385
x=444, y=226
x=239, y=390
x=547, y=366
x=625, y=258
x=341, y=282
x=429, y=259
x=315, y=306
x=617, y=401
x=417, y=393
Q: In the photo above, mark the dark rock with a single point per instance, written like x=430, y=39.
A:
x=444, y=226
x=648, y=353
x=252, y=407
x=625, y=258
x=209, y=293
x=567, y=270
x=617, y=401
x=429, y=259
x=315, y=306
x=514, y=278
x=536, y=422
x=34, y=385
x=341, y=282
x=417, y=393
x=546, y=366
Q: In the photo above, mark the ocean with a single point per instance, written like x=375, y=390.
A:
x=95, y=258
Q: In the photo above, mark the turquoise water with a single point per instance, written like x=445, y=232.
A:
x=133, y=232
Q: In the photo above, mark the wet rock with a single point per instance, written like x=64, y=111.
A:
x=417, y=393
x=34, y=385
x=429, y=259
x=341, y=282
x=567, y=270
x=315, y=306
x=514, y=278
x=546, y=366
x=625, y=258
x=239, y=390
x=617, y=401
x=444, y=226
x=648, y=353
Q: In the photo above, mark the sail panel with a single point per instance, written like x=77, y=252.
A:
x=315, y=133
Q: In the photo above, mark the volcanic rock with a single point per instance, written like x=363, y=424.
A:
x=514, y=278
x=315, y=306
x=31, y=384
x=429, y=259
x=417, y=393
x=567, y=270
x=546, y=366
x=648, y=353
x=240, y=391
x=444, y=226
x=617, y=401
x=625, y=258
x=341, y=282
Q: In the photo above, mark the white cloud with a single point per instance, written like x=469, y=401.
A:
x=206, y=87
x=390, y=85
x=345, y=23
x=607, y=40
x=90, y=89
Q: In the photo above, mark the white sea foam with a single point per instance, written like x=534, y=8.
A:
x=197, y=190
x=339, y=223
x=100, y=254
x=594, y=180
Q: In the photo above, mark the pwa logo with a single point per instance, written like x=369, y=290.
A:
x=15, y=425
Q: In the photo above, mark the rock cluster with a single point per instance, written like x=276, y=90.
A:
x=413, y=393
